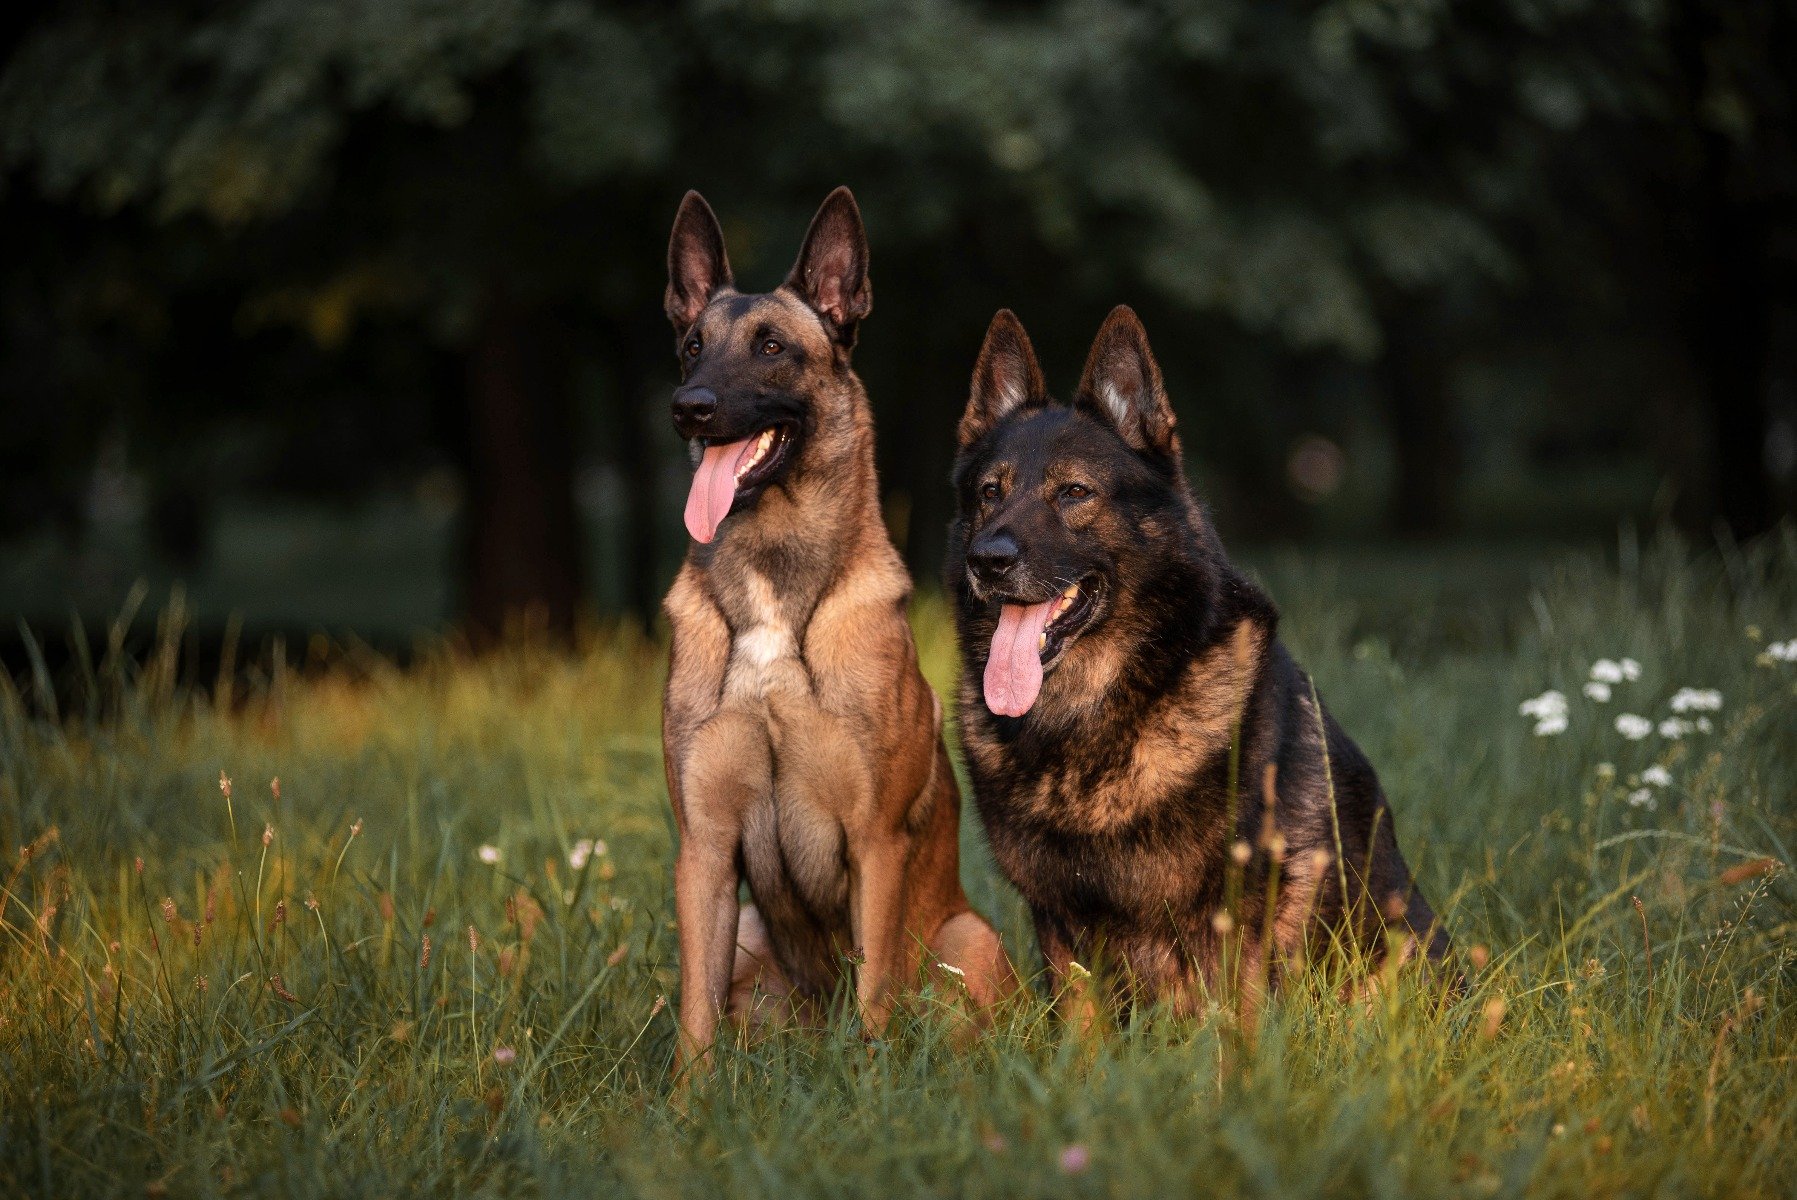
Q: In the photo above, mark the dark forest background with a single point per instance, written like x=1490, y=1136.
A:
x=359, y=300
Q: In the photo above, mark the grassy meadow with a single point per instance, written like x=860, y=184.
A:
x=438, y=957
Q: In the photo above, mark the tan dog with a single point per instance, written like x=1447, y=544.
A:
x=803, y=748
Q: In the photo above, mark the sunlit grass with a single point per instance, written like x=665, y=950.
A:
x=205, y=995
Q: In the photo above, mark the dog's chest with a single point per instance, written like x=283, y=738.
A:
x=1045, y=837
x=765, y=654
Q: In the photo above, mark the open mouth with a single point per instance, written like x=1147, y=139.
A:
x=1030, y=639
x=730, y=475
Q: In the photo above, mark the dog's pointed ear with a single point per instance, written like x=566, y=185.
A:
x=1005, y=378
x=697, y=264
x=1122, y=385
x=831, y=272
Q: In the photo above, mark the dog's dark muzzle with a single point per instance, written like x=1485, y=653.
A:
x=695, y=409
x=992, y=558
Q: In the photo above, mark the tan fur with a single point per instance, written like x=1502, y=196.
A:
x=804, y=749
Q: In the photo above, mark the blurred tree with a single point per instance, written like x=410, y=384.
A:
x=330, y=215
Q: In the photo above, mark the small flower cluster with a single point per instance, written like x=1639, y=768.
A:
x=1643, y=795
x=578, y=854
x=1552, y=714
x=1779, y=652
x=583, y=850
x=1606, y=674
x=1549, y=711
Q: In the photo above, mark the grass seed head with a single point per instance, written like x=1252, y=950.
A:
x=1493, y=1017
x=1752, y=869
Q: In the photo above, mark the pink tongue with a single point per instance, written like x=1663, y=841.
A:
x=714, y=488
x=1014, y=668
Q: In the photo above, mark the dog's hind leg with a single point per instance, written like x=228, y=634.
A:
x=760, y=993
x=969, y=948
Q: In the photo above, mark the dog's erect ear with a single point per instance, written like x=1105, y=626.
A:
x=1122, y=385
x=697, y=264
x=1006, y=377
x=831, y=273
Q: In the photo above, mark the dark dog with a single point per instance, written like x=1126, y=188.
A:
x=1127, y=712
x=803, y=748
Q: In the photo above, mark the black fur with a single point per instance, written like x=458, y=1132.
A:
x=1109, y=803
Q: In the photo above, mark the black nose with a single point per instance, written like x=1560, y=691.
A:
x=992, y=556
x=693, y=409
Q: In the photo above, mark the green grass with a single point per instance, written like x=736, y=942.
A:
x=176, y=1017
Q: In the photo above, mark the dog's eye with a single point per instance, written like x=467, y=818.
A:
x=988, y=491
x=693, y=347
x=771, y=347
x=1076, y=491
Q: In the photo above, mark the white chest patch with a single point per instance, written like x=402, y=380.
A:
x=765, y=645
x=766, y=640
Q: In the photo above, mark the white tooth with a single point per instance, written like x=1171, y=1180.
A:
x=1042, y=641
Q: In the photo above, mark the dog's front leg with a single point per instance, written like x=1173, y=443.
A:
x=878, y=918
x=705, y=907
x=1076, y=993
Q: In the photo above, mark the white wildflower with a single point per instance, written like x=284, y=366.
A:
x=1599, y=692
x=1606, y=670
x=1550, y=726
x=1548, y=704
x=1696, y=700
x=600, y=848
x=952, y=970
x=1643, y=798
x=583, y=850
x=1631, y=670
x=1657, y=776
x=488, y=855
x=1704, y=725
x=1606, y=771
x=1782, y=651
x=1673, y=728
x=1633, y=727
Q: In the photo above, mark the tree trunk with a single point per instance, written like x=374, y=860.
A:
x=522, y=561
x=1422, y=433
x=644, y=433
x=1728, y=311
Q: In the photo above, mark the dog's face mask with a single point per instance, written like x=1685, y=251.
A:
x=1054, y=500
x=755, y=368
